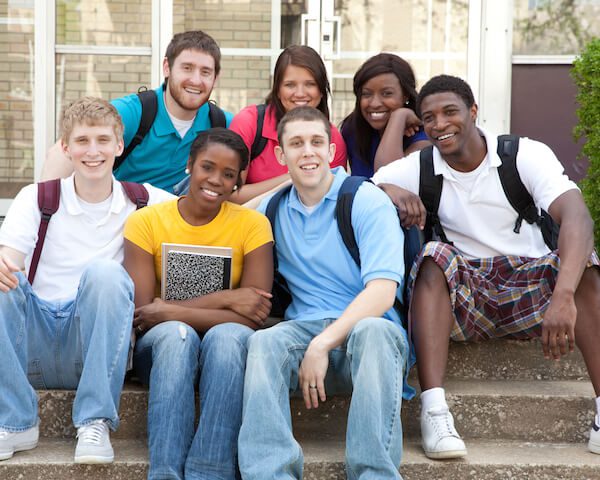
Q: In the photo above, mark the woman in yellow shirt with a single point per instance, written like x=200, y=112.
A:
x=200, y=341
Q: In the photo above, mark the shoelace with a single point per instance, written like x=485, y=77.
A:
x=441, y=422
x=92, y=433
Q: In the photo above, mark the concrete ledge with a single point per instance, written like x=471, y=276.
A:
x=53, y=460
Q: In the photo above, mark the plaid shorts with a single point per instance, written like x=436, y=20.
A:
x=495, y=297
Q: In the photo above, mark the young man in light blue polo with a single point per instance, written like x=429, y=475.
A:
x=340, y=333
x=191, y=67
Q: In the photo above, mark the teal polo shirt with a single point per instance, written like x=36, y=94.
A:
x=162, y=156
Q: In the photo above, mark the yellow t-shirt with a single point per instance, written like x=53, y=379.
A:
x=237, y=227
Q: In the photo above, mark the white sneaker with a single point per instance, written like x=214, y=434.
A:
x=11, y=442
x=594, y=443
x=439, y=437
x=93, y=444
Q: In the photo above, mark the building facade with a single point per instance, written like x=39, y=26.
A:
x=515, y=54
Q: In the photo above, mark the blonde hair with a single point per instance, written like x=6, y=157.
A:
x=90, y=111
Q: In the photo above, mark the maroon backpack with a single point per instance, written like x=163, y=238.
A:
x=48, y=200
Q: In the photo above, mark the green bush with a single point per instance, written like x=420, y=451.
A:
x=586, y=74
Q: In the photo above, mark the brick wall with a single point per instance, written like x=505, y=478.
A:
x=16, y=127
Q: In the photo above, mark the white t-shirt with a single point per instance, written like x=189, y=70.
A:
x=474, y=211
x=78, y=233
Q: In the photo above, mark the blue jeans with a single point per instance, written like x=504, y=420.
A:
x=79, y=344
x=170, y=358
x=370, y=364
x=183, y=187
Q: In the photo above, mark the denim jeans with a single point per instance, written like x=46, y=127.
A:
x=370, y=364
x=80, y=344
x=171, y=357
x=182, y=187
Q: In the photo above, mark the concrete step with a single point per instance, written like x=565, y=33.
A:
x=511, y=359
x=53, y=460
x=544, y=410
x=537, y=411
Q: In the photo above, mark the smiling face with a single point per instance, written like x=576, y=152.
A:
x=191, y=80
x=379, y=97
x=92, y=149
x=298, y=89
x=213, y=175
x=450, y=125
x=307, y=152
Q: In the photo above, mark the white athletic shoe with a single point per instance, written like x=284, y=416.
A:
x=93, y=444
x=439, y=437
x=594, y=443
x=11, y=442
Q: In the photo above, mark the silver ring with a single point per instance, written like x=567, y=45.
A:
x=312, y=386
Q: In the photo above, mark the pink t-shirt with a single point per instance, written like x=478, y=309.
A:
x=266, y=166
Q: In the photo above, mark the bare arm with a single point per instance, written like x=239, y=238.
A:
x=57, y=165
x=410, y=207
x=575, y=245
x=203, y=312
x=403, y=121
x=252, y=190
x=376, y=299
x=11, y=261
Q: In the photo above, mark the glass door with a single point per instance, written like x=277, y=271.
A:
x=431, y=35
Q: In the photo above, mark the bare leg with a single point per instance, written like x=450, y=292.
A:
x=432, y=323
x=587, y=328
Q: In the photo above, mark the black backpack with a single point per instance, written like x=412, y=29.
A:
x=343, y=214
x=149, y=104
x=430, y=192
x=48, y=198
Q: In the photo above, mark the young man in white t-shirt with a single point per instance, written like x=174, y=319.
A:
x=71, y=329
x=492, y=279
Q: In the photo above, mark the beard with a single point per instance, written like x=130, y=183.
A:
x=187, y=101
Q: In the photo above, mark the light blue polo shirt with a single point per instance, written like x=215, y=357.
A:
x=162, y=156
x=322, y=276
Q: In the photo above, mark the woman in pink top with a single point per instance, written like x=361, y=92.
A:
x=299, y=79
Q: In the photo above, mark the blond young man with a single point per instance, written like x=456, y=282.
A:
x=71, y=328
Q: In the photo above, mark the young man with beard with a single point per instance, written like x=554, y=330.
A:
x=495, y=276
x=340, y=333
x=191, y=67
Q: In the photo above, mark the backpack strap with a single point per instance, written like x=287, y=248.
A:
x=518, y=196
x=149, y=104
x=515, y=191
x=137, y=193
x=48, y=198
x=281, y=292
x=260, y=142
x=216, y=115
x=430, y=192
x=343, y=214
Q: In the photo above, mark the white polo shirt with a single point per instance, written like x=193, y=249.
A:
x=78, y=233
x=474, y=211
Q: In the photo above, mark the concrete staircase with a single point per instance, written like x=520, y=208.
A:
x=522, y=417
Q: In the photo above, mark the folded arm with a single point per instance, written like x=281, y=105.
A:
x=249, y=305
